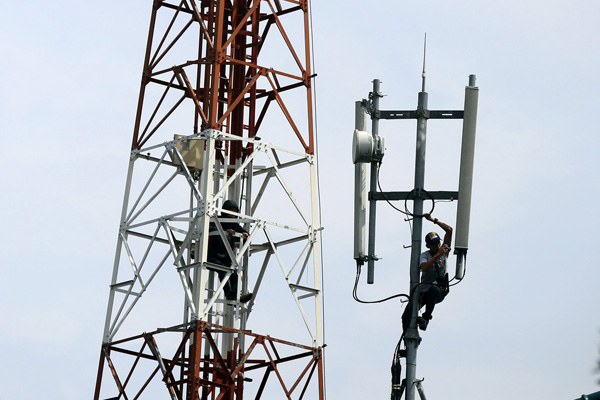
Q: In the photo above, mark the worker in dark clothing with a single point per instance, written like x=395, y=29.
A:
x=217, y=251
x=434, y=276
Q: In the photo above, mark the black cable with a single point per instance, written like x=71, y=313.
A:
x=464, y=274
x=385, y=198
x=408, y=297
x=355, y=293
x=396, y=371
x=408, y=197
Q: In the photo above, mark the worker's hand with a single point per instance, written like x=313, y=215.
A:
x=245, y=234
x=428, y=217
x=231, y=232
x=444, y=249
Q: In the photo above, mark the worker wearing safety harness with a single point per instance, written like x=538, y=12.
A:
x=217, y=252
x=434, y=276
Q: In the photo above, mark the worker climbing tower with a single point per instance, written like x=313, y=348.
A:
x=224, y=113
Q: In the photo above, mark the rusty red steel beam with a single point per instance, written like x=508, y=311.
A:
x=135, y=363
x=194, y=361
x=241, y=24
x=179, y=352
x=167, y=115
x=145, y=385
x=100, y=373
x=307, y=78
x=225, y=45
x=285, y=37
x=167, y=377
x=280, y=361
x=192, y=94
x=314, y=366
x=311, y=363
x=240, y=97
x=145, y=73
x=222, y=370
x=287, y=114
x=158, y=58
x=115, y=375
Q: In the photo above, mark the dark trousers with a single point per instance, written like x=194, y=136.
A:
x=231, y=286
x=429, y=299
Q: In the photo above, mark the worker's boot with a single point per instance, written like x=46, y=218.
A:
x=423, y=321
x=232, y=295
x=246, y=297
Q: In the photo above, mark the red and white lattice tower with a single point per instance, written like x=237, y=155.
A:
x=224, y=113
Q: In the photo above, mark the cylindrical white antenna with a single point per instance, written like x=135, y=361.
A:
x=465, y=184
x=360, y=190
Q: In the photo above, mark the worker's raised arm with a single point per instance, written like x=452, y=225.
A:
x=447, y=228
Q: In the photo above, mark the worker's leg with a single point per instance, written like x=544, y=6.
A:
x=430, y=298
x=230, y=288
x=406, y=316
x=408, y=310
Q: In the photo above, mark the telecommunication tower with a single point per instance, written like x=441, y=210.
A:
x=368, y=150
x=225, y=112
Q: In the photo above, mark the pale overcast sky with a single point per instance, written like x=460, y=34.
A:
x=524, y=323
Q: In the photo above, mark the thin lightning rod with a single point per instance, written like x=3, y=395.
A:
x=424, y=53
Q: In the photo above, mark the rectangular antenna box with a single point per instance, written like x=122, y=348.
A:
x=192, y=151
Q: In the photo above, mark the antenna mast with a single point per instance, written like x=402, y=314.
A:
x=368, y=148
x=424, y=54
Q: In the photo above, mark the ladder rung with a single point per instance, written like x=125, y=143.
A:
x=124, y=283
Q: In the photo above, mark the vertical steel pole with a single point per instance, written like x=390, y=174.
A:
x=107, y=337
x=412, y=337
x=315, y=253
x=374, y=168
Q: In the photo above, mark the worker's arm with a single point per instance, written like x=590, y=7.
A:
x=425, y=265
x=444, y=248
x=233, y=228
x=447, y=228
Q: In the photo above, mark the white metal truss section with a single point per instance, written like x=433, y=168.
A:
x=294, y=287
x=173, y=210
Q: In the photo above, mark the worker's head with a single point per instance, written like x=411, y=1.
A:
x=230, y=205
x=433, y=241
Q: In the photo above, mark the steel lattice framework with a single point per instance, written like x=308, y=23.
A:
x=205, y=97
